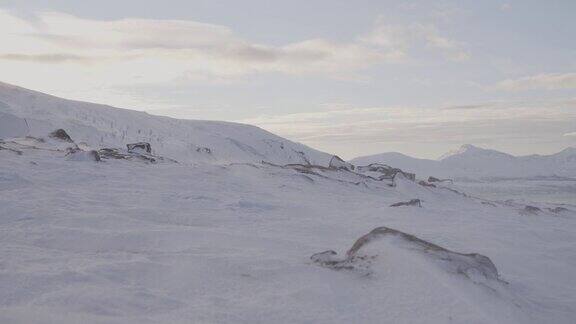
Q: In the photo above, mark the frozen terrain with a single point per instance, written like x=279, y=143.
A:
x=257, y=229
x=471, y=162
x=28, y=113
x=495, y=175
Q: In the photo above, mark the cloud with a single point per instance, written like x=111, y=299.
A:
x=180, y=46
x=551, y=81
x=415, y=35
x=183, y=47
x=570, y=134
x=46, y=58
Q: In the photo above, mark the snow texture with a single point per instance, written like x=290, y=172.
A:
x=224, y=235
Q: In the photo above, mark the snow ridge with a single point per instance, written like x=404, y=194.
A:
x=25, y=112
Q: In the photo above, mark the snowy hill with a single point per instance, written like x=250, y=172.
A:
x=24, y=112
x=96, y=233
x=471, y=162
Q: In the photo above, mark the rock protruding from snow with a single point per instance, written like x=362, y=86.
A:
x=79, y=155
x=140, y=147
x=337, y=163
x=383, y=171
x=434, y=179
x=369, y=249
x=136, y=154
x=558, y=210
x=9, y=149
x=206, y=150
x=61, y=134
x=426, y=184
x=530, y=210
x=411, y=202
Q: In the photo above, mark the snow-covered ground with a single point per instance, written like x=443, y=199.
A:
x=25, y=112
x=495, y=175
x=554, y=190
x=229, y=240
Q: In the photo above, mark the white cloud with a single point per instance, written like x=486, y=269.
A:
x=549, y=81
x=570, y=134
x=405, y=37
x=131, y=47
x=93, y=59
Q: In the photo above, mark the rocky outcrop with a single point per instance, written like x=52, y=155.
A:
x=434, y=179
x=61, y=134
x=110, y=153
x=426, y=184
x=203, y=150
x=383, y=171
x=337, y=163
x=558, y=210
x=140, y=147
x=412, y=202
x=9, y=149
x=367, y=251
x=530, y=210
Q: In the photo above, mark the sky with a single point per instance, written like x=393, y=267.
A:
x=348, y=77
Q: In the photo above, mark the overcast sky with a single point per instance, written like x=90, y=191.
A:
x=348, y=77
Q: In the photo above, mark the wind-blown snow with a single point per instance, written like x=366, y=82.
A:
x=131, y=241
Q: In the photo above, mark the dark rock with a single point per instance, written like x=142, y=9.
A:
x=362, y=260
x=412, y=202
x=134, y=147
x=531, y=210
x=61, y=135
x=384, y=171
x=558, y=210
x=426, y=184
x=203, y=150
x=110, y=153
x=18, y=152
x=434, y=179
x=72, y=149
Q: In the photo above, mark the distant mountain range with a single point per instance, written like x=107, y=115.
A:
x=473, y=162
x=25, y=112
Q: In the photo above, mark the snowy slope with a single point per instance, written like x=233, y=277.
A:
x=26, y=112
x=472, y=162
x=141, y=238
x=126, y=241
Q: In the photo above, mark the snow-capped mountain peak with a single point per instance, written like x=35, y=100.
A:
x=471, y=150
